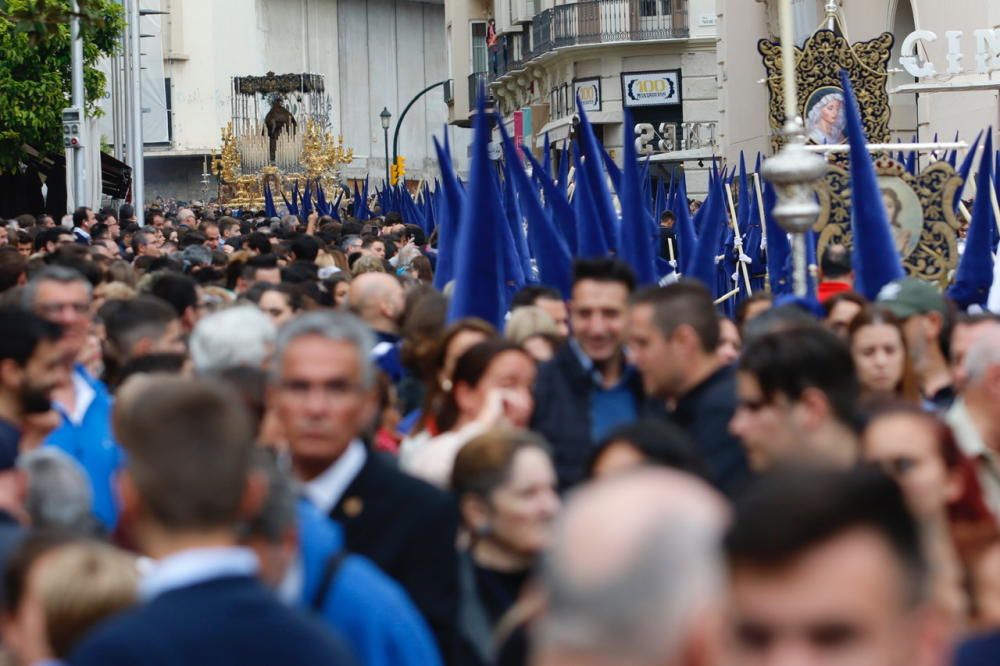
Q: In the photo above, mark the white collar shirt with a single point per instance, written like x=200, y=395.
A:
x=326, y=489
x=195, y=566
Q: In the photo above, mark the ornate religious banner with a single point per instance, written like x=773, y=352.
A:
x=923, y=220
x=821, y=100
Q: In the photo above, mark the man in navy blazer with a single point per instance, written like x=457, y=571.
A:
x=323, y=393
x=185, y=488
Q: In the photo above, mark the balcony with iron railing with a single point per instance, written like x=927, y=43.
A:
x=477, y=80
x=590, y=22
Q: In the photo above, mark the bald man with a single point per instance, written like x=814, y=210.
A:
x=635, y=575
x=378, y=300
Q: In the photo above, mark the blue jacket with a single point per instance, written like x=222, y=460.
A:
x=230, y=621
x=387, y=356
x=979, y=651
x=93, y=446
x=368, y=608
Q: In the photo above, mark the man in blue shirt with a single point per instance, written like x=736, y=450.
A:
x=62, y=296
x=303, y=555
x=588, y=389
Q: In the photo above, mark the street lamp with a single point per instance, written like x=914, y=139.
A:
x=386, y=117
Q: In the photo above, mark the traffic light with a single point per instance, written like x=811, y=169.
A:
x=401, y=167
x=393, y=174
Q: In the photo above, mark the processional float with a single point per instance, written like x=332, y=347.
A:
x=278, y=135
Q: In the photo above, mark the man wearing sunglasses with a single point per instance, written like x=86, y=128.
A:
x=796, y=393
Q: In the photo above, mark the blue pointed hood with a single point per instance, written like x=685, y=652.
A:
x=335, y=208
x=660, y=202
x=590, y=233
x=482, y=232
x=512, y=206
x=558, y=208
x=701, y=264
x=450, y=209
x=975, y=270
x=753, y=237
x=952, y=156
x=552, y=254
x=322, y=205
x=875, y=257
x=269, y=208
x=910, y=164
x=305, y=204
x=635, y=243
x=687, y=239
x=779, y=249
x=593, y=176
x=966, y=168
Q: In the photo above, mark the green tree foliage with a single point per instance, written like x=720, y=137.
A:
x=35, y=82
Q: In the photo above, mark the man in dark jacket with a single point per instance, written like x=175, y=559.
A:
x=588, y=388
x=673, y=333
x=31, y=368
x=323, y=394
x=185, y=484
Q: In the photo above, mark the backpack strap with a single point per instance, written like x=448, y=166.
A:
x=330, y=569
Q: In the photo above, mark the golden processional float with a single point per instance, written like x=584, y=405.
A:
x=279, y=135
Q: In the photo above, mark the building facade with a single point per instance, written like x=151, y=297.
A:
x=656, y=57
x=547, y=52
x=372, y=54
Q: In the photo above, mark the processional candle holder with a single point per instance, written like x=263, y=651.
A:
x=794, y=170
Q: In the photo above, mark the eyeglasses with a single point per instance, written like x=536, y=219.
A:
x=50, y=309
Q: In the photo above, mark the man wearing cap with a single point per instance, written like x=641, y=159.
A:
x=924, y=313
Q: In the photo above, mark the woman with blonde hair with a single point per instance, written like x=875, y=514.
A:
x=58, y=589
x=534, y=329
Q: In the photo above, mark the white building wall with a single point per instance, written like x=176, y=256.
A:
x=371, y=53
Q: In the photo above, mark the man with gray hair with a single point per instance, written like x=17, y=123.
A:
x=974, y=417
x=59, y=495
x=242, y=336
x=323, y=395
x=62, y=296
x=635, y=575
x=186, y=216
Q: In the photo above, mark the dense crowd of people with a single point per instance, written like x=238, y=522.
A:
x=249, y=440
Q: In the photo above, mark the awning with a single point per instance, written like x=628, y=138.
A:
x=116, y=177
x=559, y=129
x=680, y=155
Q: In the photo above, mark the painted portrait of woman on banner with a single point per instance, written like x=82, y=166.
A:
x=825, y=118
x=905, y=213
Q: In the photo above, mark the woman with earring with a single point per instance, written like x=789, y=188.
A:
x=505, y=484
